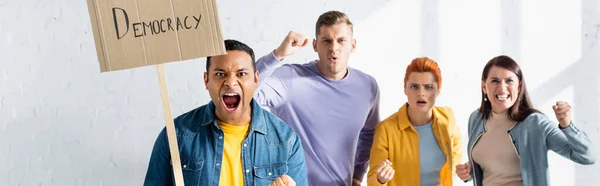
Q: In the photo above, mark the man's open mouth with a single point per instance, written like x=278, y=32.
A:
x=231, y=100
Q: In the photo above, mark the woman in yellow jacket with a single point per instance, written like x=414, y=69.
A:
x=421, y=141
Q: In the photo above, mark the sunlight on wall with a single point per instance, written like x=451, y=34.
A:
x=551, y=39
x=386, y=42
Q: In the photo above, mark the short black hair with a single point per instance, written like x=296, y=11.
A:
x=231, y=45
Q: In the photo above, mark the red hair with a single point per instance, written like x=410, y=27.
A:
x=424, y=64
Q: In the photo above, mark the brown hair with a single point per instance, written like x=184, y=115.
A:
x=522, y=107
x=331, y=18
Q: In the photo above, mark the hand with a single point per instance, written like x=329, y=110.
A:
x=385, y=172
x=284, y=180
x=290, y=45
x=464, y=171
x=562, y=110
x=356, y=182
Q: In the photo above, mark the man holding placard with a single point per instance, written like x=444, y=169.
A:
x=231, y=140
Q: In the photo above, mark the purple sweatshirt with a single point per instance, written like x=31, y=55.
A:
x=335, y=119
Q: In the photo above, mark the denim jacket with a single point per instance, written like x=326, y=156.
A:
x=532, y=138
x=271, y=149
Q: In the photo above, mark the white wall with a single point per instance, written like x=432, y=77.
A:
x=64, y=123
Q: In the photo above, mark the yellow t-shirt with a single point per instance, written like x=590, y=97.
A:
x=232, y=171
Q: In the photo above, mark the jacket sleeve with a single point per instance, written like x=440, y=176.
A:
x=296, y=162
x=159, y=171
x=456, y=140
x=379, y=152
x=570, y=142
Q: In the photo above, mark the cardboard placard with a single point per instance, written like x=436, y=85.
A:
x=135, y=33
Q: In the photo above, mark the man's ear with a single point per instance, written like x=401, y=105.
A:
x=206, y=80
x=353, y=45
x=256, y=77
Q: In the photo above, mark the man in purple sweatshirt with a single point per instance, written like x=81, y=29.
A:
x=333, y=108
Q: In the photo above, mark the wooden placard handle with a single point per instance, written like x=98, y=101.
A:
x=173, y=147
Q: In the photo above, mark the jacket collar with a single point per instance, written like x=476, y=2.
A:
x=404, y=121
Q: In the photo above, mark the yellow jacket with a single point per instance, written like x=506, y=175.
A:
x=396, y=139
